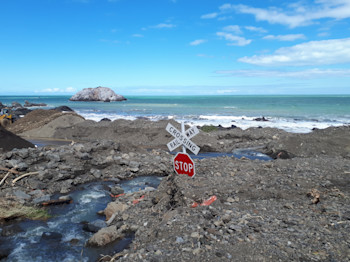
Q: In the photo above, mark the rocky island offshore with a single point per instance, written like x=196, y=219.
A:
x=292, y=208
x=100, y=93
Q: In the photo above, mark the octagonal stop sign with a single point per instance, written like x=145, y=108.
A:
x=184, y=165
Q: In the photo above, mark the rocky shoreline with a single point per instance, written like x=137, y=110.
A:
x=294, y=208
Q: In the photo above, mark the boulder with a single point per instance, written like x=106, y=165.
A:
x=105, y=236
x=29, y=104
x=16, y=105
x=11, y=230
x=64, y=109
x=51, y=236
x=261, y=119
x=94, y=226
x=117, y=190
x=114, y=207
x=104, y=94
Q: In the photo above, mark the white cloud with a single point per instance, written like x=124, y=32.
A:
x=304, y=74
x=326, y=52
x=290, y=37
x=198, y=42
x=57, y=90
x=225, y=7
x=233, y=39
x=163, y=25
x=233, y=28
x=297, y=13
x=255, y=29
x=226, y=91
x=209, y=16
x=137, y=35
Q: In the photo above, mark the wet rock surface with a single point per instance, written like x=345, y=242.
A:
x=293, y=208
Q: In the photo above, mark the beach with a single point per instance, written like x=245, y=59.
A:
x=294, y=207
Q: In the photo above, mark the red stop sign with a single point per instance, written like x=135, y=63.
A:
x=184, y=165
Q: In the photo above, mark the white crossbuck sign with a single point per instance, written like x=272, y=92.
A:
x=183, y=138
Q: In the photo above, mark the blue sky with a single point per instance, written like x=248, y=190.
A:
x=175, y=47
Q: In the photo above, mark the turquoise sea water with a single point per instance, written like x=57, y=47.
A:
x=297, y=113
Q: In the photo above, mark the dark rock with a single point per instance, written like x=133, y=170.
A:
x=282, y=154
x=56, y=202
x=42, y=199
x=36, y=193
x=263, y=119
x=11, y=230
x=117, y=190
x=97, y=94
x=4, y=252
x=16, y=105
x=51, y=236
x=94, y=226
x=21, y=111
x=74, y=241
x=21, y=195
x=29, y=104
x=65, y=198
x=64, y=109
x=35, y=184
x=207, y=148
x=105, y=119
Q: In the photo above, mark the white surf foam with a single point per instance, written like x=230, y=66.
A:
x=244, y=122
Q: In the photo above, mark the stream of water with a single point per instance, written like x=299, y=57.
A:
x=62, y=237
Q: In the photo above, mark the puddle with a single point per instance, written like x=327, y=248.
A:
x=238, y=153
x=49, y=142
x=62, y=237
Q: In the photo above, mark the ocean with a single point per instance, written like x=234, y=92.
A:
x=293, y=113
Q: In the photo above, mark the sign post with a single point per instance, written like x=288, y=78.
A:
x=183, y=164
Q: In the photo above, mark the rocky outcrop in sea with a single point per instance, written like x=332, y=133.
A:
x=100, y=93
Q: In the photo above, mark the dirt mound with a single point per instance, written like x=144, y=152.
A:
x=36, y=119
x=48, y=130
x=329, y=141
x=9, y=141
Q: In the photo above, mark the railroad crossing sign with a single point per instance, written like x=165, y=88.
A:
x=183, y=165
x=182, y=138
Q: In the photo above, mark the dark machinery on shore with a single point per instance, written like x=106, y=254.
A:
x=6, y=117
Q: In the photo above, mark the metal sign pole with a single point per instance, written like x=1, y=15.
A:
x=183, y=131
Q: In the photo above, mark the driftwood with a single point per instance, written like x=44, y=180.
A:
x=22, y=176
x=9, y=171
x=3, y=180
x=12, y=170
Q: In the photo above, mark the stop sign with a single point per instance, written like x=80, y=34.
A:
x=184, y=165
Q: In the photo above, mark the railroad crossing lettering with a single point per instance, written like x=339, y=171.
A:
x=182, y=138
